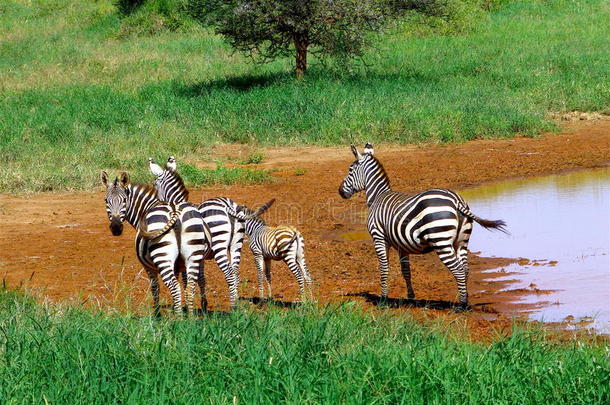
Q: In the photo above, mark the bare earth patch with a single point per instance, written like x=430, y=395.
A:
x=59, y=245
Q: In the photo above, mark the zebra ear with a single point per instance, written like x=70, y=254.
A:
x=368, y=148
x=104, y=178
x=124, y=179
x=357, y=154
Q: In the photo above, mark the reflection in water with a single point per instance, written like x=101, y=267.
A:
x=356, y=235
x=564, y=218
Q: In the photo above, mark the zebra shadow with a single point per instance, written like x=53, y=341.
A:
x=270, y=301
x=408, y=303
x=167, y=310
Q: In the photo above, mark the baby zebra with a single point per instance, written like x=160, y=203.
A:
x=274, y=243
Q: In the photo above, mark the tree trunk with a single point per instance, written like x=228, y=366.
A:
x=301, y=43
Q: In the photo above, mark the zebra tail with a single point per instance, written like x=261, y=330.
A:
x=148, y=235
x=285, y=245
x=498, y=224
x=242, y=216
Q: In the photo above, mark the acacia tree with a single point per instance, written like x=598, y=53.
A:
x=267, y=29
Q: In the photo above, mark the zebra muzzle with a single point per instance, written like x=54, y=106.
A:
x=344, y=193
x=116, y=226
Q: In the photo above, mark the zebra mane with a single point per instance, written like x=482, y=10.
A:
x=382, y=171
x=143, y=188
x=178, y=189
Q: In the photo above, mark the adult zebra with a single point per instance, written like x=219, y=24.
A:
x=436, y=220
x=227, y=232
x=167, y=234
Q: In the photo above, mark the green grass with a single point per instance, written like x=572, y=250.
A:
x=253, y=158
x=223, y=175
x=333, y=354
x=76, y=96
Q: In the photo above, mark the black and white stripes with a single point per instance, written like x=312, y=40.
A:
x=167, y=234
x=436, y=220
x=227, y=232
x=275, y=243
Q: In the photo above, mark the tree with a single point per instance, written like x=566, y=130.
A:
x=267, y=29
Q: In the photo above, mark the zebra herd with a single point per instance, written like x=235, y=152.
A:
x=174, y=237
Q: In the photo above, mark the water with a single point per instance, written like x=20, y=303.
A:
x=563, y=218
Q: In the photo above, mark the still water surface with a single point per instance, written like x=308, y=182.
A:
x=563, y=218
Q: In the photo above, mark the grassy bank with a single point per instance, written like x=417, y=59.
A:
x=306, y=355
x=78, y=96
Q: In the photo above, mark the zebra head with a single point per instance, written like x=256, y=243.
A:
x=355, y=180
x=169, y=185
x=116, y=201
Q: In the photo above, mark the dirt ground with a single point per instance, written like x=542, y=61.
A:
x=58, y=245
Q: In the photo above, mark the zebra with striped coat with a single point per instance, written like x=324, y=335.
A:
x=168, y=236
x=227, y=232
x=436, y=220
x=269, y=243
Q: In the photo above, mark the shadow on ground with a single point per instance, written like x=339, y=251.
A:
x=408, y=303
x=265, y=301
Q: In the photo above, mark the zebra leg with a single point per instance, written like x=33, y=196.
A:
x=268, y=277
x=193, y=269
x=301, y=261
x=303, y=265
x=405, y=267
x=381, y=248
x=237, y=241
x=298, y=274
x=260, y=264
x=220, y=256
x=154, y=289
x=453, y=262
x=462, y=245
x=169, y=279
x=201, y=283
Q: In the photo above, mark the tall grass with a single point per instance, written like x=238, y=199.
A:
x=307, y=355
x=76, y=97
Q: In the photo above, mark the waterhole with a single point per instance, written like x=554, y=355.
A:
x=562, y=224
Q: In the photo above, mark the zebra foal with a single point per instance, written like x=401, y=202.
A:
x=274, y=243
x=436, y=220
x=168, y=236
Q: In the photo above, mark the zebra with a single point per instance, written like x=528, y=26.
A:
x=227, y=232
x=275, y=243
x=167, y=235
x=436, y=220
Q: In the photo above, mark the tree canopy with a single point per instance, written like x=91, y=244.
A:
x=267, y=29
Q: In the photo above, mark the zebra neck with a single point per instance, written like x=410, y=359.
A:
x=254, y=226
x=139, y=200
x=375, y=186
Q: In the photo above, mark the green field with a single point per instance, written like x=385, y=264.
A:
x=78, y=95
x=331, y=355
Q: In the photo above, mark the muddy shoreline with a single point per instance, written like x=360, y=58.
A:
x=59, y=246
